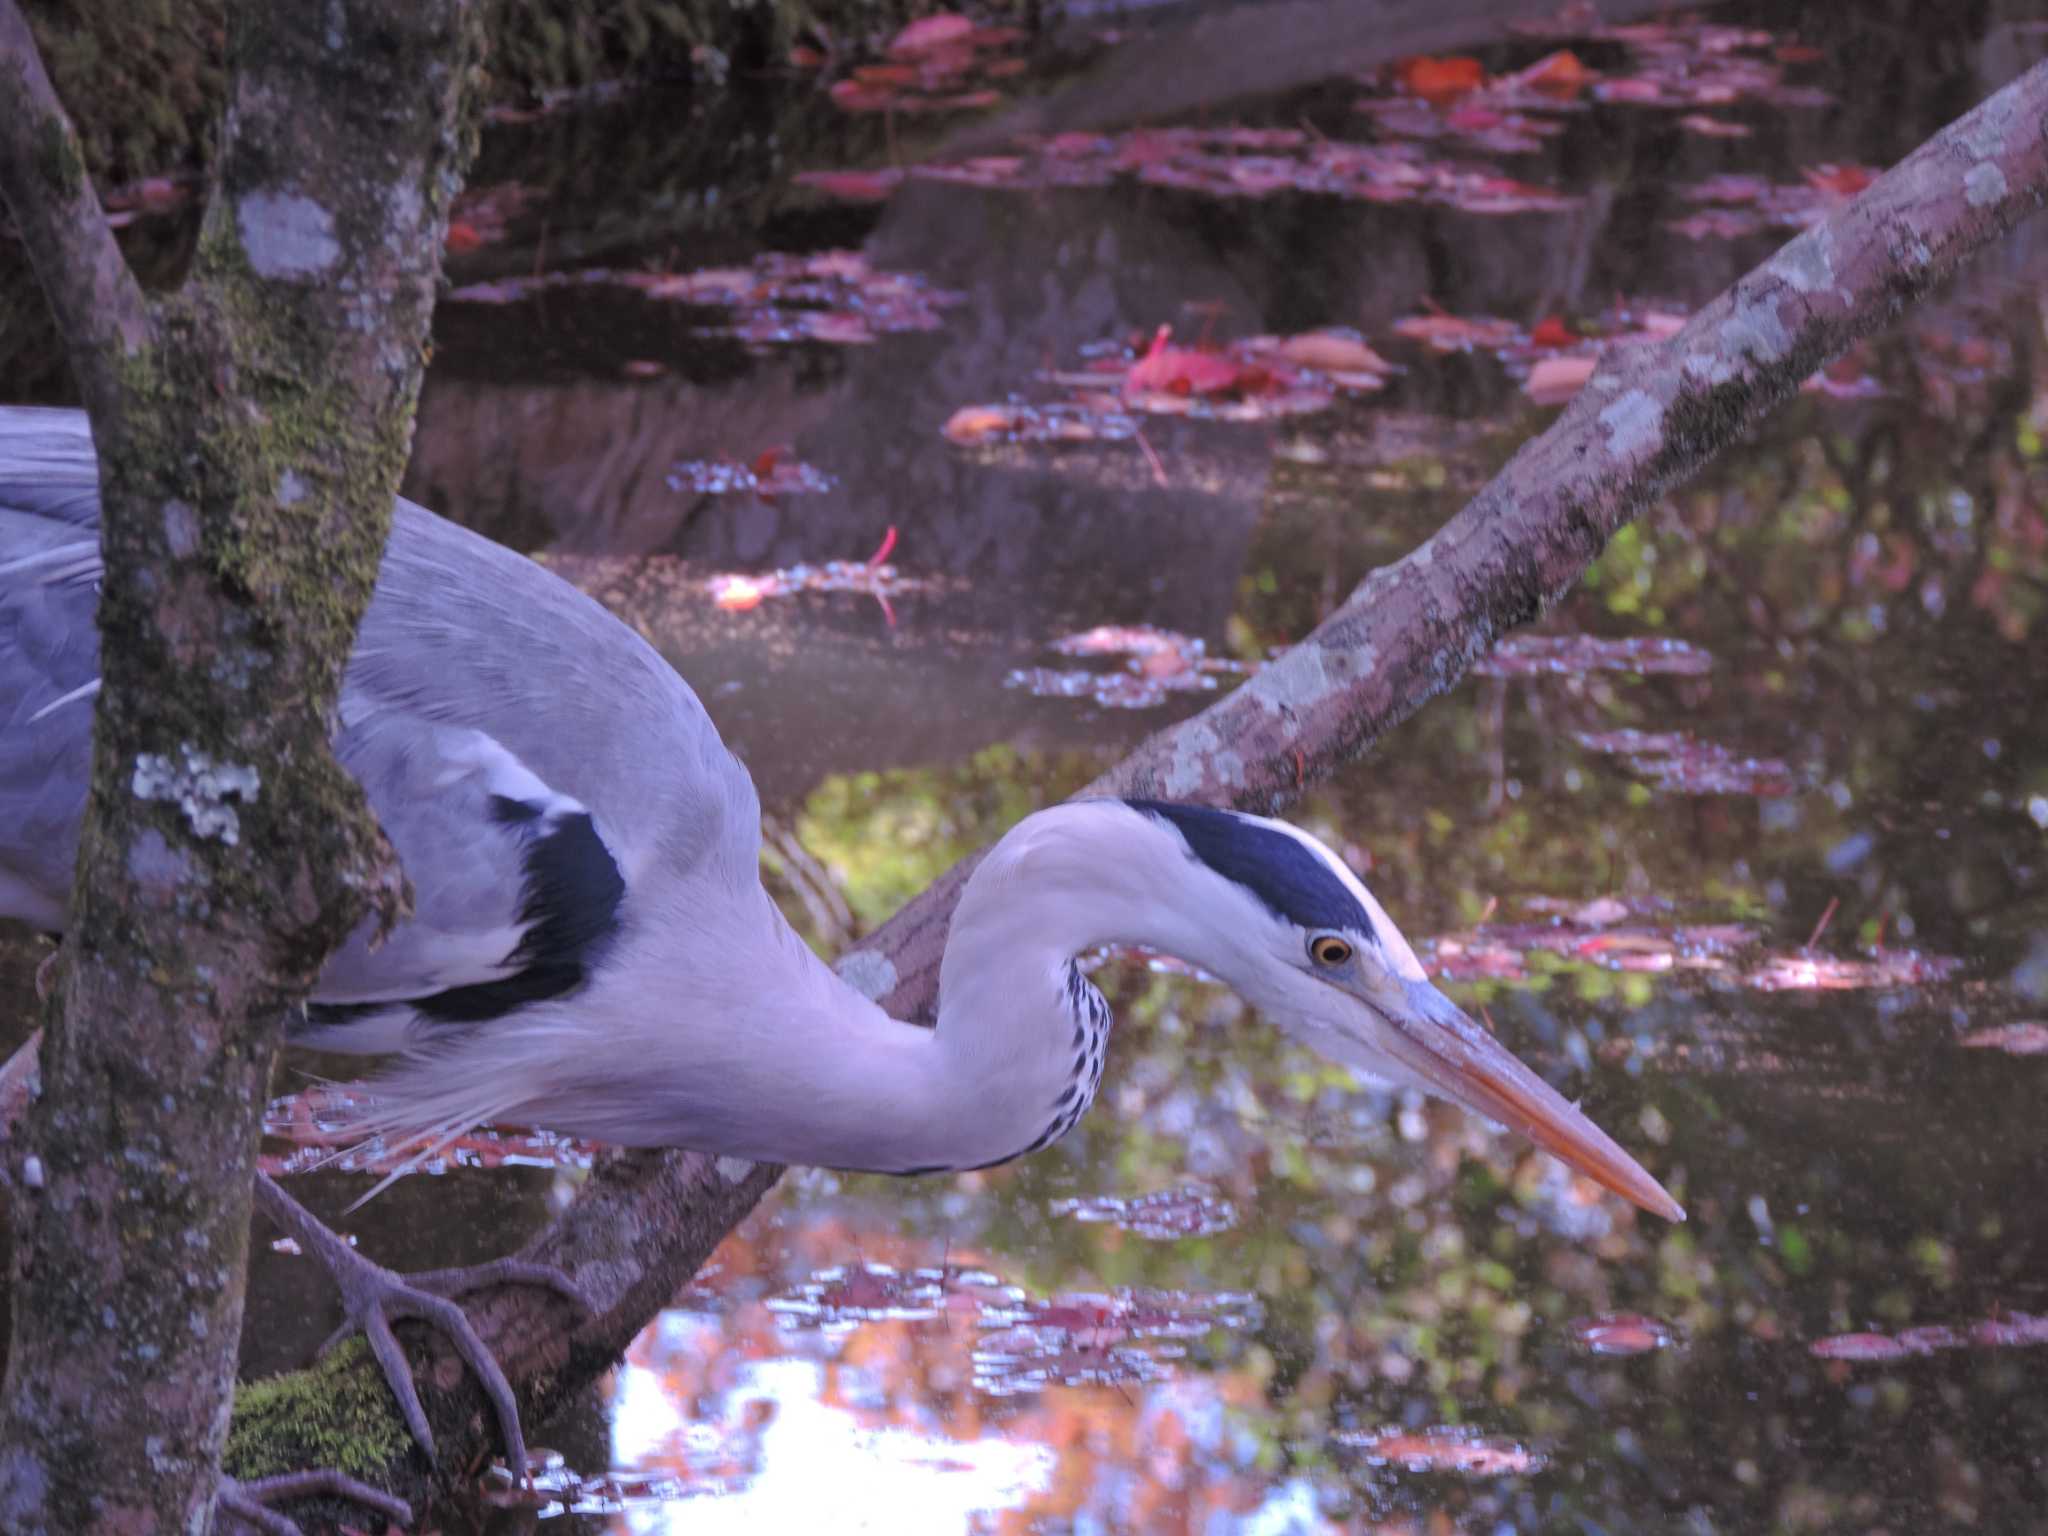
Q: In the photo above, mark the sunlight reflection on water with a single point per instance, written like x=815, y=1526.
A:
x=816, y=1464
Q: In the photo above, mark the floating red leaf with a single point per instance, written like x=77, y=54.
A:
x=2028, y=1039
x=1554, y=380
x=1454, y=333
x=1332, y=352
x=1835, y=973
x=1171, y=370
x=1708, y=127
x=774, y=473
x=1061, y=422
x=931, y=34
x=1839, y=182
x=831, y=297
x=2012, y=1330
x=1447, y=1449
x=1439, y=80
x=1165, y=1215
x=1623, y=1333
x=1677, y=762
x=1557, y=74
x=1079, y=1339
x=852, y=96
x=1160, y=662
x=1572, y=655
x=1860, y=1346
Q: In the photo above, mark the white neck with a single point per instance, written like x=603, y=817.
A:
x=798, y=1067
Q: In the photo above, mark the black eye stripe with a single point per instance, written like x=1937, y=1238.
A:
x=1284, y=874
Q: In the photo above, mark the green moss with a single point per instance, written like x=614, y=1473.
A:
x=333, y=1414
x=313, y=588
x=143, y=79
x=60, y=164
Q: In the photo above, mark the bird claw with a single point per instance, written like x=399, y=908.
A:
x=474, y=1277
x=246, y=1501
x=373, y=1297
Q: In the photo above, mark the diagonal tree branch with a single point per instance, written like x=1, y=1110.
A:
x=1650, y=417
x=96, y=301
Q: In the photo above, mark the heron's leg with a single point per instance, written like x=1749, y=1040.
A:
x=372, y=1296
x=245, y=1501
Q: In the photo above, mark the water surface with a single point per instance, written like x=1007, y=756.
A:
x=1790, y=944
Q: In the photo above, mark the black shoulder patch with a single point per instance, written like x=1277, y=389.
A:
x=1292, y=882
x=508, y=812
x=571, y=907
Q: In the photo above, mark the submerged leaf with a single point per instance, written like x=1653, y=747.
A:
x=1445, y=1449
x=1623, y=1333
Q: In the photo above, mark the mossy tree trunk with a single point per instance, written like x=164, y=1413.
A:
x=251, y=430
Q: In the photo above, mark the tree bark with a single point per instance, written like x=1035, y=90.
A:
x=251, y=429
x=1650, y=417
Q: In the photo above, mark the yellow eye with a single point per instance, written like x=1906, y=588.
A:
x=1328, y=949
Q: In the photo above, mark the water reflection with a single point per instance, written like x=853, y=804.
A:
x=1796, y=955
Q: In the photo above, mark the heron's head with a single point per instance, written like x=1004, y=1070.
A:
x=1286, y=923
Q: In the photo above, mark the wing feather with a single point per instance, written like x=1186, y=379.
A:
x=540, y=769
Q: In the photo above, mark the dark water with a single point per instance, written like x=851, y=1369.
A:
x=1813, y=998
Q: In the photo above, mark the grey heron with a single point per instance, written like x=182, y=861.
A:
x=592, y=950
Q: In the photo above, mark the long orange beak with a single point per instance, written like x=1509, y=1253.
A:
x=1434, y=1039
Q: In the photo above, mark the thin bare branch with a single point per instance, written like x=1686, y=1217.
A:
x=43, y=181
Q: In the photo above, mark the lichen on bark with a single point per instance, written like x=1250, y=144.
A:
x=251, y=429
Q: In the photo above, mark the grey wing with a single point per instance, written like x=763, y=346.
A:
x=47, y=467
x=49, y=665
x=464, y=632
x=534, y=761
x=515, y=894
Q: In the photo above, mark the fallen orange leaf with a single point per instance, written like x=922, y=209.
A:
x=1710, y=127
x=852, y=96
x=1557, y=74
x=851, y=186
x=930, y=34
x=1454, y=333
x=1842, y=181
x=976, y=423
x=1555, y=380
x=1170, y=370
x=1438, y=80
x=1333, y=352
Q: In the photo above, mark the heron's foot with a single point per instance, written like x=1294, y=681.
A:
x=373, y=1297
x=247, y=1502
